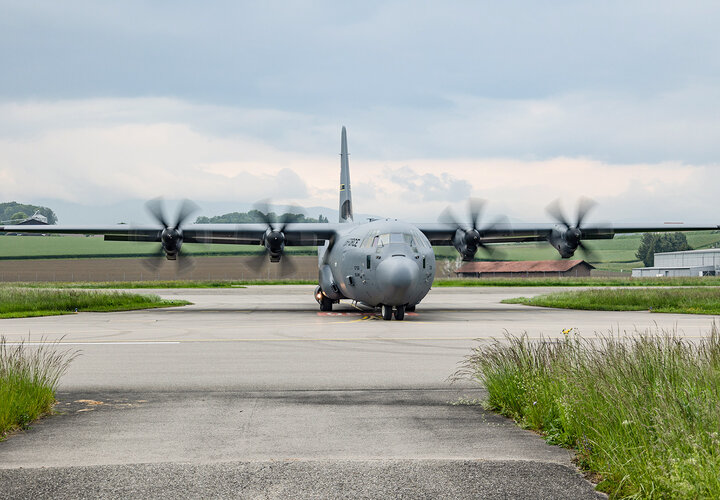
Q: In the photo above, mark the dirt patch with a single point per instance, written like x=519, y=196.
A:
x=132, y=269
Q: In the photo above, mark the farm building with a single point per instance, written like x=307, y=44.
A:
x=36, y=219
x=686, y=263
x=524, y=269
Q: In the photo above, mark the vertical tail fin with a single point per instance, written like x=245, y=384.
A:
x=346, y=210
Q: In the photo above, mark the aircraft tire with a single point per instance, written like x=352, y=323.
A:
x=325, y=304
x=410, y=308
x=399, y=313
x=387, y=312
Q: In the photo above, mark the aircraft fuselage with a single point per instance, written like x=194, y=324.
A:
x=383, y=262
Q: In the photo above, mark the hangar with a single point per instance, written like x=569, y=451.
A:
x=524, y=269
x=685, y=263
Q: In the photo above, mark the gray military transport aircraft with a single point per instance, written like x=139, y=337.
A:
x=382, y=263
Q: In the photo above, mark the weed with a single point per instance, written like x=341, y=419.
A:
x=466, y=401
x=642, y=410
x=28, y=379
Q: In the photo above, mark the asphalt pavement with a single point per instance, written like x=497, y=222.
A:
x=253, y=392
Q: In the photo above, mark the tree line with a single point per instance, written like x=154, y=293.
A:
x=17, y=212
x=257, y=216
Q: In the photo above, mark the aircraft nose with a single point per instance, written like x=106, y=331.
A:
x=397, y=277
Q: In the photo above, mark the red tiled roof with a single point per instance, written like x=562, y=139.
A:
x=533, y=266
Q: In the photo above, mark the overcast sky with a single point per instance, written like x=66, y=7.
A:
x=516, y=102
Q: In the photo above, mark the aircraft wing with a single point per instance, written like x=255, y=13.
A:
x=296, y=234
x=442, y=234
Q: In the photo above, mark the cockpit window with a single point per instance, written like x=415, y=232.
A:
x=420, y=239
x=397, y=238
x=370, y=240
x=394, y=238
x=414, y=239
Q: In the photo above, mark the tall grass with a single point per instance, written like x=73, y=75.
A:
x=28, y=380
x=23, y=302
x=641, y=410
x=699, y=300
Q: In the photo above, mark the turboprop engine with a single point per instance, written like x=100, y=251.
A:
x=566, y=237
x=468, y=237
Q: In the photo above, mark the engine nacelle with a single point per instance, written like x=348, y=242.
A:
x=565, y=240
x=274, y=241
x=466, y=243
x=171, y=240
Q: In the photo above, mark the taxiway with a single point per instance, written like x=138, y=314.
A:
x=256, y=382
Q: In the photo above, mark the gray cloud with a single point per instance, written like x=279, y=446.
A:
x=332, y=57
x=116, y=99
x=614, y=81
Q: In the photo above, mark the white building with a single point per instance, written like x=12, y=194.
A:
x=687, y=263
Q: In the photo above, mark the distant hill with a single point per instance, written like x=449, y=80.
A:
x=256, y=216
x=14, y=211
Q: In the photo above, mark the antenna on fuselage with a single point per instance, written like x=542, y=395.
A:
x=346, y=211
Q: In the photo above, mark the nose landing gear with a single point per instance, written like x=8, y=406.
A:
x=387, y=312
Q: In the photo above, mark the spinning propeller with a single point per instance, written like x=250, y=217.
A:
x=468, y=237
x=567, y=239
x=171, y=235
x=274, y=240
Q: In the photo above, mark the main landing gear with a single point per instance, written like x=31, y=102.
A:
x=387, y=312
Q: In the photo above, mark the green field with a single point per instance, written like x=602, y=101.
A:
x=617, y=254
x=52, y=247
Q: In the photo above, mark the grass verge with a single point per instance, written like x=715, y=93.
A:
x=569, y=281
x=641, y=411
x=25, y=302
x=669, y=300
x=28, y=380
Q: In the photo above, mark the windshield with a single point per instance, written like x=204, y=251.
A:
x=376, y=240
x=387, y=238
